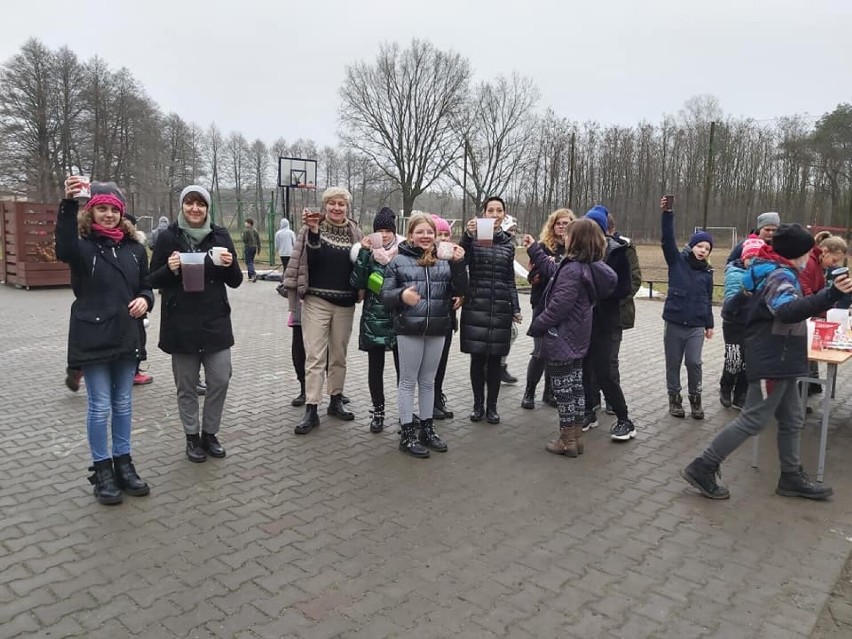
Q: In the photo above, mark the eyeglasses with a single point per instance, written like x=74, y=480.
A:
x=562, y=223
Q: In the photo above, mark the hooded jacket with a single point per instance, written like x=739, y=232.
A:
x=162, y=225
x=688, y=302
x=608, y=311
x=492, y=298
x=195, y=322
x=436, y=284
x=812, y=277
x=376, y=322
x=285, y=239
x=564, y=321
x=105, y=277
x=627, y=305
x=776, y=343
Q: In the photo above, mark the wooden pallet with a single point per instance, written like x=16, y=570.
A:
x=27, y=237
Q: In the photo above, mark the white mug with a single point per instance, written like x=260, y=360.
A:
x=216, y=254
x=445, y=250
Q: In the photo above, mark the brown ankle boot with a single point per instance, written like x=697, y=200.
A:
x=566, y=443
x=578, y=437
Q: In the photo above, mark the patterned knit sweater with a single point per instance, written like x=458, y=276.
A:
x=329, y=264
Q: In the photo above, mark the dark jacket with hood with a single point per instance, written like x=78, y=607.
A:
x=776, y=343
x=436, y=284
x=688, y=302
x=195, y=322
x=105, y=277
x=492, y=298
x=607, y=313
x=627, y=306
x=564, y=321
x=537, y=279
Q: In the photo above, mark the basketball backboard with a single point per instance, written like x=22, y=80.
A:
x=297, y=173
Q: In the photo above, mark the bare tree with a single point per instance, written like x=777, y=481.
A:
x=496, y=129
x=236, y=149
x=400, y=112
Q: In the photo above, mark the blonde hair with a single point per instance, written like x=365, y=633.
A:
x=819, y=237
x=428, y=259
x=336, y=191
x=831, y=243
x=548, y=237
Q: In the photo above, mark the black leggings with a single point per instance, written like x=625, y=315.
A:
x=442, y=367
x=485, y=371
x=297, y=352
x=376, y=373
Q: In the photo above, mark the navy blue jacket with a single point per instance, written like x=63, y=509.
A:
x=688, y=302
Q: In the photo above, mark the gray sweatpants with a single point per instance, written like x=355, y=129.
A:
x=418, y=362
x=764, y=399
x=217, y=373
x=683, y=342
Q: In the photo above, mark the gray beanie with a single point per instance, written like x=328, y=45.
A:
x=766, y=219
x=194, y=188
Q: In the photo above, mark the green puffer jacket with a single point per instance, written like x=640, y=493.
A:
x=376, y=322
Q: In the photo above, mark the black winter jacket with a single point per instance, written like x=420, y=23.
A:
x=105, y=278
x=194, y=322
x=492, y=298
x=436, y=284
x=607, y=313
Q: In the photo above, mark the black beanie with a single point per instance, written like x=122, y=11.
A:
x=385, y=220
x=792, y=241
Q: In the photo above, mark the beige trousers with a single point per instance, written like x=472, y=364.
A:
x=326, y=328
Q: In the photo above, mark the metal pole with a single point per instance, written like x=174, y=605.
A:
x=707, y=177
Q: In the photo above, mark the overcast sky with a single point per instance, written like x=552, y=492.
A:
x=271, y=68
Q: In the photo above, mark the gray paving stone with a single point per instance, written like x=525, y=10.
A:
x=339, y=535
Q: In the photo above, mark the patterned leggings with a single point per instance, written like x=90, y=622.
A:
x=567, y=381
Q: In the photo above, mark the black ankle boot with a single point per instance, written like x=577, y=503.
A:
x=194, y=451
x=103, y=480
x=299, y=400
x=440, y=409
x=695, y=407
x=408, y=442
x=126, y=477
x=491, y=415
x=676, y=405
x=506, y=377
x=429, y=438
x=726, y=397
x=798, y=484
x=309, y=421
x=210, y=443
x=478, y=412
x=528, y=401
x=336, y=409
x=377, y=423
x=702, y=475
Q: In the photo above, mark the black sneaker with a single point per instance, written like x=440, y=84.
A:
x=623, y=430
x=589, y=421
x=798, y=484
x=702, y=475
x=609, y=410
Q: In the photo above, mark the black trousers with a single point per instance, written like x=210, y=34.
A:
x=297, y=352
x=597, y=367
x=442, y=367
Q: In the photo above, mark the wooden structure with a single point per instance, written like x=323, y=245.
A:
x=28, y=246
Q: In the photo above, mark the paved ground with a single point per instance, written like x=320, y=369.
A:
x=339, y=534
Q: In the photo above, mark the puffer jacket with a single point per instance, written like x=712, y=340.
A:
x=437, y=285
x=608, y=310
x=492, y=297
x=538, y=281
x=105, y=278
x=627, y=306
x=688, y=302
x=565, y=320
x=776, y=343
x=376, y=321
x=195, y=322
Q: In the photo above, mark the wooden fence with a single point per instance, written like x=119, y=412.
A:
x=28, y=246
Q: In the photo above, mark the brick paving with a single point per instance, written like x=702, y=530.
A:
x=337, y=534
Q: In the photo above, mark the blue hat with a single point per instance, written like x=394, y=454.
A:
x=701, y=236
x=599, y=214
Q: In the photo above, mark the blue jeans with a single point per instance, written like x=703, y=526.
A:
x=109, y=387
x=251, y=251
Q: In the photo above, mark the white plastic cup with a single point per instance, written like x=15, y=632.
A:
x=811, y=331
x=85, y=192
x=485, y=231
x=216, y=254
x=444, y=250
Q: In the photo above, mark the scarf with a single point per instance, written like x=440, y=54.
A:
x=116, y=234
x=195, y=234
x=384, y=254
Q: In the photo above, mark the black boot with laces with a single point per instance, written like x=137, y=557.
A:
x=798, y=484
x=702, y=475
x=429, y=438
x=377, y=423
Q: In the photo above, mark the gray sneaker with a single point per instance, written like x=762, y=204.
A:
x=589, y=421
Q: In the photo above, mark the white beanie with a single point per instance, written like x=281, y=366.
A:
x=194, y=188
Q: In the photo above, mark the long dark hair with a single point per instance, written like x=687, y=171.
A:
x=585, y=241
x=494, y=198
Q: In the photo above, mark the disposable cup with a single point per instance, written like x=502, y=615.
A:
x=216, y=254
x=192, y=271
x=375, y=240
x=485, y=231
x=85, y=192
x=445, y=250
